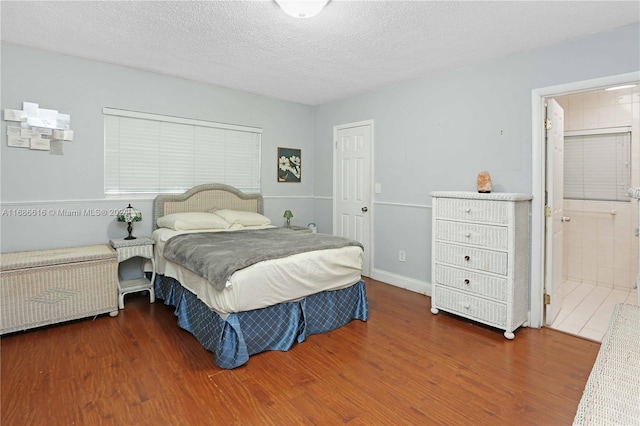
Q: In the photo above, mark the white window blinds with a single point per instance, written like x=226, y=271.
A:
x=597, y=166
x=149, y=153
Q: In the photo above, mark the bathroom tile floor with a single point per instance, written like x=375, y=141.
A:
x=587, y=308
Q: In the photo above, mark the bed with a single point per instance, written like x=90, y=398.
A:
x=271, y=304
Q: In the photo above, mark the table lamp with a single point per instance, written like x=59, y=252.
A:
x=130, y=215
x=288, y=215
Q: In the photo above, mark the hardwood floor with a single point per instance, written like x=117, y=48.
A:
x=405, y=366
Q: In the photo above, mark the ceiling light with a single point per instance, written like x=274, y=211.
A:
x=302, y=8
x=626, y=86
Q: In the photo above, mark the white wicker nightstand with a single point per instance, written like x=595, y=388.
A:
x=127, y=249
x=300, y=228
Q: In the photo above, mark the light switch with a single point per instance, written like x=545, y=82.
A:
x=378, y=188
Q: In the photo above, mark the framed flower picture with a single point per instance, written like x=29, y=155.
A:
x=289, y=165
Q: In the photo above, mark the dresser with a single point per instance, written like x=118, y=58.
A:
x=480, y=257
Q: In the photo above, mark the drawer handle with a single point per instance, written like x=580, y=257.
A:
x=467, y=258
x=468, y=235
x=467, y=306
x=466, y=281
x=468, y=210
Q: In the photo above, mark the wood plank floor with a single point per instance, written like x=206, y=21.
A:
x=405, y=366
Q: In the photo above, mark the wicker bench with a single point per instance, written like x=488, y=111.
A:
x=43, y=287
x=612, y=393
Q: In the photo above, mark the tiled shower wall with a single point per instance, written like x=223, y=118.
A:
x=600, y=246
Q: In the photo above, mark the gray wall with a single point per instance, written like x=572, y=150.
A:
x=438, y=132
x=74, y=181
x=433, y=133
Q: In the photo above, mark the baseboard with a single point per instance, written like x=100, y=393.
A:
x=407, y=283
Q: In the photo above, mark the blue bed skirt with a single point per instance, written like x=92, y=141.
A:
x=279, y=327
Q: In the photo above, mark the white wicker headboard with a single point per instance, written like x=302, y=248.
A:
x=205, y=197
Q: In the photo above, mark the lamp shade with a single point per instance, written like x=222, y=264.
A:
x=129, y=214
x=288, y=214
x=302, y=8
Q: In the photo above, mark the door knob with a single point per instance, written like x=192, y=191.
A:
x=364, y=210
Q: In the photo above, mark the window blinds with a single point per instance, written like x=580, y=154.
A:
x=597, y=166
x=149, y=153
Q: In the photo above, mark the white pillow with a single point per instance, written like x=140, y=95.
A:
x=243, y=218
x=192, y=220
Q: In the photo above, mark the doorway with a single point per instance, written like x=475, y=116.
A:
x=539, y=164
x=599, y=263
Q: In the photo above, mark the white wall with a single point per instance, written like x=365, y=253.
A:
x=74, y=181
x=439, y=131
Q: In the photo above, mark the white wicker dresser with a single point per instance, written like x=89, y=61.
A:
x=43, y=287
x=480, y=257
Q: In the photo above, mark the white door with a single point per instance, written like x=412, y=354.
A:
x=554, y=209
x=352, y=185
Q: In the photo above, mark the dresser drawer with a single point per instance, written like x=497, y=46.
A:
x=471, y=282
x=487, y=311
x=473, y=258
x=495, y=237
x=472, y=210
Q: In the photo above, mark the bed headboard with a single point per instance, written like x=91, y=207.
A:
x=205, y=197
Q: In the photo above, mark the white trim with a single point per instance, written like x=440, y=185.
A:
x=538, y=164
x=179, y=120
x=602, y=131
x=146, y=197
x=407, y=283
x=47, y=202
x=355, y=124
x=417, y=206
x=288, y=197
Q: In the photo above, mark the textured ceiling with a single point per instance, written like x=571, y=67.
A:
x=351, y=47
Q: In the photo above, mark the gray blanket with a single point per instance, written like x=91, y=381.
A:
x=217, y=255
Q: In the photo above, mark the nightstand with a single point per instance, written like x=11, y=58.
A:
x=127, y=249
x=300, y=228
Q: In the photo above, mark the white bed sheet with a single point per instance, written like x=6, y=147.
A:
x=266, y=283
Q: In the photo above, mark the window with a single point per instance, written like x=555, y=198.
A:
x=597, y=164
x=150, y=153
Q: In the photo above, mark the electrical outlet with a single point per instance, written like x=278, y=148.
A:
x=401, y=256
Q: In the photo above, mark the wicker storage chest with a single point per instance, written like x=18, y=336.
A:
x=43, y=287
